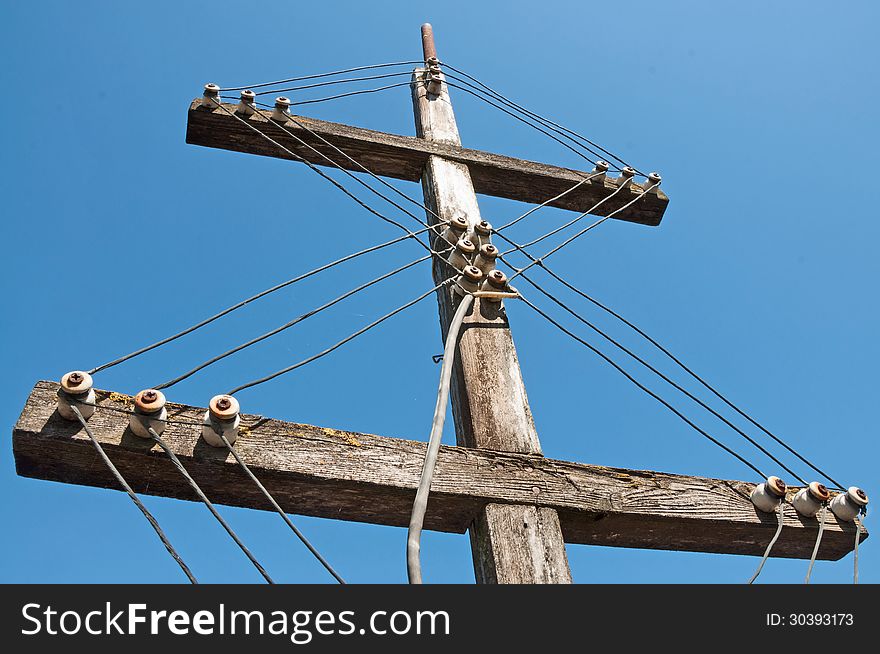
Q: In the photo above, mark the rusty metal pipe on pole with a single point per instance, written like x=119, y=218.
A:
x=428, y=47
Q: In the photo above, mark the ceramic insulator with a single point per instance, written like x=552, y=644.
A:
x=462, y=255
x=246, y=105
x=211, y=96
x=809, y=500
x=76, y=388
x=222, y=417
x=281, y=112
x=149, y=413
x=847, y=506
x=767, y=495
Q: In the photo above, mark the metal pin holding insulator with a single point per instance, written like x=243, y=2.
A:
x=652, y=182
x=767, y=495
x=281, y=112
x=211, y=96
x=247, y=103
x=222, y=417
x=462, y=255
x=494, y=282
x=847, y=506
x=481, y=233
x=626, y=176
x=76, y=389
x=485, y=259
x=469, y=280
x=453, y=232
x=599, y=172
x=807, y=501
x=149, y=413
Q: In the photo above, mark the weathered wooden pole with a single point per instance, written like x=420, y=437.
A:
x=511, y=543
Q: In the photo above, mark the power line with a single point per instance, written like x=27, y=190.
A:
x=690, y=372
x=207, y=502
x=345, y=340
x=545, y=203
x=644, y=388
x=573, y=136
x=134, y=498
x=279, y=510
x=349, y=80
x=571, y=222
x=770, y=545
x=320, y=75
x=252, y=298
x=665, y=378
x=329, y=97
x=519, y=271
x=420, y=504
x=289, y=324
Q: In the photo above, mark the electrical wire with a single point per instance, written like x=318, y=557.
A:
x=519, y=271
x=574, y=136
x=545, y=203
x=420, y=504
x=345, y=340
x=325, y=98
x=279, y=510
x=571, y=222
x=288, y=325
x=339, y=186
x=332, y=82
x=690, y=372
x=252, y=298
x=664, y=377
x=856, y=552
x=320, y=75
x=134, y=498
x=607, y=359
x=522, y=120
x=821, y=518
x=770, y=544
x=207, y=502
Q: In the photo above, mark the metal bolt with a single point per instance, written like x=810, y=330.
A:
x=861, y=494
x=75, y=379
x=223, y=403
x=150, y=396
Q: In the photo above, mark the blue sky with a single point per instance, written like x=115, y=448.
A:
x=761, y=118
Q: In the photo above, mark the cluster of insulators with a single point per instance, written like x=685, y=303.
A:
x=221, y=419
x=626, y=178
x=469, y=251
x=846, y=506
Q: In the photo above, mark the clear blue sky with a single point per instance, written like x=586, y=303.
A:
x=761, y=118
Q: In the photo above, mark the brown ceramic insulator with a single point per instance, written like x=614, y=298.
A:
x=497, y=279
x=473, y=273
x=819, y=491
x=149, y=401
x=223, y=407
x=776, y=486
x=76, y=382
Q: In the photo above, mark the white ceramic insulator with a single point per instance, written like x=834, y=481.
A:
x=246, y=105
x=599, y=171
x=229, y=428
x=65, y=400
x=211, y=96
x=764, y=499
x=141, y=423
x=846, y=507
x=281, y=112
x=626, y=176
x=805, y=504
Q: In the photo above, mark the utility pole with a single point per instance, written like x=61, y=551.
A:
x=518, y=506
x=511, y=543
